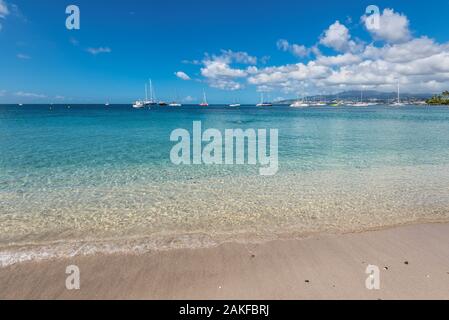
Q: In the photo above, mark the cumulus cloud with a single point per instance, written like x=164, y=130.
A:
x=337, y=37
x=238, y=57
x=96, y=51
x=295, y=49
x=220, y=74
x=419, y=64
x=182, y=75
x=339, y=60
x=393, y=27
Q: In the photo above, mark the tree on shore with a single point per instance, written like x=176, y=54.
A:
x=440, y=99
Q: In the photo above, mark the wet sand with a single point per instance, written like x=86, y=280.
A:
x=413, y=262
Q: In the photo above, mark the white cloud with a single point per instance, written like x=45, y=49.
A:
x=182, y=75
x=29, y=95
x=339, y=60
x=217, y=69
x=23, y=56
x=338, y=38
x=4, y=11
x=295, y=49
x=393, y=27
x=95, y=51
x=420, y=64
x=237, y=57
x=220, y=74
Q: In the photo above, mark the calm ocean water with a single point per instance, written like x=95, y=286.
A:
x=95, y=178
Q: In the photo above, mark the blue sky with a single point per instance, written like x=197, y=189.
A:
x=232, y=49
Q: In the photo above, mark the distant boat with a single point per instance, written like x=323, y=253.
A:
x=235, y=104
x=174, y=103
x=299, y=104
x=138, y=105
x=107, y=104
x=361, y=103
x=151, y=101
x=398, y=101
x=204, y=103
x=263, y=103
x=20, y=104
x=162, y=103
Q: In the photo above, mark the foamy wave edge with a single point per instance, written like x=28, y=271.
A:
x=15, y=254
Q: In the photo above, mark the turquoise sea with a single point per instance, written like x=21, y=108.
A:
x=92, y=178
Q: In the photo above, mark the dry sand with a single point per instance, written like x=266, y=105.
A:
x=414, y=264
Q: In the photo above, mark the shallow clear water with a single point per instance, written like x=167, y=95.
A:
x=101, y=178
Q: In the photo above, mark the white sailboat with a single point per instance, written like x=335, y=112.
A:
x=235, y=104
x=174, y=103
x=361, y=103
x=300, y=103
x=263, y=103
x=151, y=101
x=398, y=102
x=204, y=103
x=138, y=104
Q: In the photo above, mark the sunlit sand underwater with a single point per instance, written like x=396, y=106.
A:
x=96, y=179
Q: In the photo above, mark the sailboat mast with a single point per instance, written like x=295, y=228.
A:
x=146, y=92
x=399, y=98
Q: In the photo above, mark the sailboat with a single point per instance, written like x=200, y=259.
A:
x=300, y=103
x=263, y=103
x=361, y=103
x=174, y=103
x=398, y=102
x=138, y=104
x=150, y=102
x=235, y=104
x=204, y=103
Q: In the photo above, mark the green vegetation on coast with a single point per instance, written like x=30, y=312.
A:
x=439, y=99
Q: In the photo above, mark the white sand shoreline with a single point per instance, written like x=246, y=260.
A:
x=414, y=263
x=18, y=253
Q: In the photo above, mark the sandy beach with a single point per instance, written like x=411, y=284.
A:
x=413, y=262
